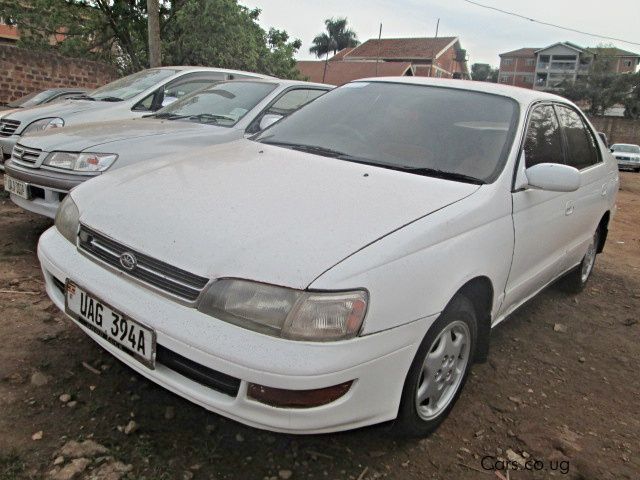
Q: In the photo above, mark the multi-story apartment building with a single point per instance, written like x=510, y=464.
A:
x=551, y=67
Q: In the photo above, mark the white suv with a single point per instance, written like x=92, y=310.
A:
x=344, y=267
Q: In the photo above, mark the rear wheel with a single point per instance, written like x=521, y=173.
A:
x=439, y=370
x=575, y=281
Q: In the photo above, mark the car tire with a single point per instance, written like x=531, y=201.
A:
x=575, y=281
x=440, y=369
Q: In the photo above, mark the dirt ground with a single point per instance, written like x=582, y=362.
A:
x=561, y=390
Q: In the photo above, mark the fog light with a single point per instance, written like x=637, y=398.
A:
x=278, y=397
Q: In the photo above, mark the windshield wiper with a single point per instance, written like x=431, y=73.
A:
x=205, y=117
x=110, y=99
x=82, y=97
x=167, y=115
x=425, y=171
x=434, y=172
x=316, y=149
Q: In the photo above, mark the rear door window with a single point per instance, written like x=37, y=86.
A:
x=582, y=150
x=543, y=143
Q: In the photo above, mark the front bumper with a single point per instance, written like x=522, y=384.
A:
x=48, y=188
x=628, y=164
x=6, y=145
x=377, y=363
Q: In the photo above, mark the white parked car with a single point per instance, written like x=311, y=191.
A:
x=627, y=155
x=345, y=266
x=128, y=97
x=45, y=166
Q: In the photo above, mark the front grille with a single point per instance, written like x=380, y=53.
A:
x=198, y=373
x=163, y=276
x=8, y=127
x=25, y=155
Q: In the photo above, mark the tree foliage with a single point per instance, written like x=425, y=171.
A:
x=601, y=88
x=632, y=99
x=336, y=37
x=483, y=72
x=218, y=33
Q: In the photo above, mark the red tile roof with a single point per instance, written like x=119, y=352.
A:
x=521, y=52
x=339, y=73
x=401, y=48
x=340, y=55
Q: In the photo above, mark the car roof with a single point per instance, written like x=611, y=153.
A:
x=521, y=95
x=284, y=82
x=185, y=68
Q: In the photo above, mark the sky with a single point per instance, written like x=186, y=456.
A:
x=483, y=33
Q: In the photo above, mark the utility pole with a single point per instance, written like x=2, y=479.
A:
x=153, y=12
x=379, y=47
x=433, y=53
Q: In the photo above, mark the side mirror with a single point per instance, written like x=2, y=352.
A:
x=269, y=119
x=553, y=177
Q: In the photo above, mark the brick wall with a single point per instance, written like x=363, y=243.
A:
x=23, y=71
x=618, y=129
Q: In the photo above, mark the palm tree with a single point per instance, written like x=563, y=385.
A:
x=337, y=37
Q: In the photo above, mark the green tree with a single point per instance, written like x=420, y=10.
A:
x=218, y=33
x=337, y=37
x=602, y=87
x=632, y=99
x=483, y=72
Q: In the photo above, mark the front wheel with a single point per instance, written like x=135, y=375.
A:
x=576, y=280
x=439, y=370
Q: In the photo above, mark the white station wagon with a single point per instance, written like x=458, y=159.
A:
x=345, y=266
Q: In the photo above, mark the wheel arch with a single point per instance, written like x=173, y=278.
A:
x=481, y=293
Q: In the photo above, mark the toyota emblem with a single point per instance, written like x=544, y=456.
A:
x=128, y=261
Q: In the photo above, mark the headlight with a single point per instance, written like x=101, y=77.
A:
x=285, y=312
x=44, y=124
x=81, y=162
x=68, y=219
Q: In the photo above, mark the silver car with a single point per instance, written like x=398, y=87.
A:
x=129, y=97
x=627, y=155
x=45, y=166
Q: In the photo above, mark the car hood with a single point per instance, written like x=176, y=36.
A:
x=62, y=109
x=259, y=212
x=84, y=137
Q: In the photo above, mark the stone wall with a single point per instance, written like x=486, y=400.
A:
x=23, y=71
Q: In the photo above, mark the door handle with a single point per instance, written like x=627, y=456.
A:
x=603, y=192
x=569, y=209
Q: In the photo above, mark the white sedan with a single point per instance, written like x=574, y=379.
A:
x=345, y=266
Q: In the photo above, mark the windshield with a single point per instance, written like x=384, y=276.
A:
x=420, y=129
x=626, y=148
x=130, y=86
x=35, y=98
x=222, y=104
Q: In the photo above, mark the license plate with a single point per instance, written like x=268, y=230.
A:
x=126, y=334
x=16, y=187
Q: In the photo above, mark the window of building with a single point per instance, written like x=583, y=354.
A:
x=527, y=78
x=627, y=63
x=582, y=151
x=505, y=78
x=507, y=61
x=544, y=58
x=544, y=140
x=563, y=58
x=530, y=62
